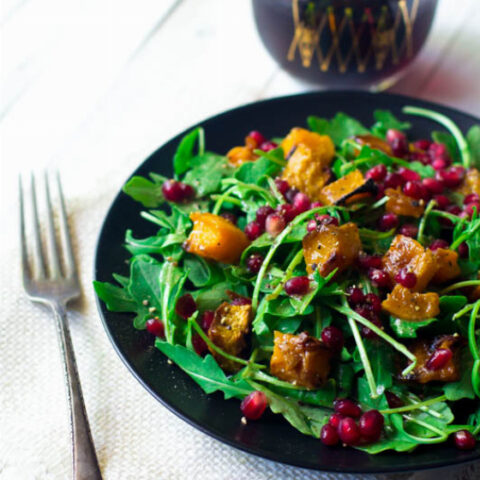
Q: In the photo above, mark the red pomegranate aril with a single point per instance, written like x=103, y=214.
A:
x=438, y=243
x=398, y=142
x=442, y=201
x=311, y=225
x=326, y=219
x=464, y=440
x=199, y=345
x=230, y=217
x=421, y=157
x=332, y=337
x=290, y=195
x=177, y=192
x=355, y=295
x=366, y=332
x=257, y=137
x=207, y=319
x=369, y=261
x=422, y=144
x=287, y=212
x=405, y=278
x=393, y=400
x=454, y=209
x=416, y=190
x=253, y=230
x=452, y=177
x=380, y=191
x=348, y=431
x=409, y=175
x=471, y=208
x=393, y=180
x=408, y=230
x=463, y=250
x=155, y=327
x=387, y=222
x=439, y=358
x=262, y=214
x=440, y=163
x=268, y=145
x=282, y=185
x=241, y=301
x=254, y=262
x=274, y=224
x=432, y=185
x=297, y=286
x=377, y=173
x=301, y=203
x=253, y=405
x=329, y=435
x=334, y=419
x=437, y=149
x=316, y=204
x=374, y=302
x=185, y=306
x=347, y=407
x=379, y=278
x=371, y=424
x=471, y=198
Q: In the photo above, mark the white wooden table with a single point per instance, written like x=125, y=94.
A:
x=92, y=87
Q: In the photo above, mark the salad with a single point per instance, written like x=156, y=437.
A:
x=330, y=276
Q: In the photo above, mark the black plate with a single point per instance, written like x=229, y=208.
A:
x=270, y=437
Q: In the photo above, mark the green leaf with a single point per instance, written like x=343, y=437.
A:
x=449, y=141
x=206, y=173
x=451, y=304
x=148, y=193
x=205, y=371
x=209, y=298
x=342, y=126
x=202, y=272
x=473, y=140
x=185, y=151
x=463, y=388
x=385, y=120
x=255, y=172
x=408, y=329
x=115, y=298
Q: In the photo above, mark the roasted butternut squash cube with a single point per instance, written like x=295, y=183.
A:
x=446, y=261
x=300, y=359
x=238, y=155
x=471, y=182
x=307, y=172
x=401, y=204
x=423, y=349
x=331, y=247
x=321, y=146
x=229, y=331
x=405, y=252
x=407, y=305
x=374, y=142
x=347, y=189
x=215, y=238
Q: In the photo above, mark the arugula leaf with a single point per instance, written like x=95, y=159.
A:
x=463, y=388
x=339, y=128
x=209, y=298
x=206, y=172
x=408, y=329
x=148, y=193
x=255, y=172
x=205, y=371
x=449, y=141
x=386, y=120
x=185, y=150
x=201, y=272
x=115, y=298
x=473, y=140
x=451, y=304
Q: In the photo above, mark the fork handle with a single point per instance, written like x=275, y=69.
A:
x=85, y=463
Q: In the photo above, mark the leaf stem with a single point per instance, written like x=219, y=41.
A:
x=222, y=198
x=423, y=221
x=472, y=342
x=464, y=236
x=455, y=286
x=275, y=191
x=233, y=200
x=288, y=273
x=414, y=406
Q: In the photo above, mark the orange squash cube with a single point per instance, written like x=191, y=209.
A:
x=446, y=261
x=346, y=189
x=401, y=204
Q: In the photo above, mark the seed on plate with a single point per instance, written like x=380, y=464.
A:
x=464, y=440
x=347, y=407
x=329, y=435
x=348, y=431
x=253, y=405
x=155, y=327
x=371, y=425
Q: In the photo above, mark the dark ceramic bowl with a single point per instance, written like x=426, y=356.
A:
x=344, y=43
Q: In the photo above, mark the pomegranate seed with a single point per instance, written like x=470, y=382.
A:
x=437, y=149
x=207, y=319
x=317, y=204
x=432, y=185
x=408, y=230
x=369, y=261
x=405, y=278
x=253, y=405
x=263, y=213
x=415, y=190
x=439, y=358
x=471, y=207
x=257, y=137
x=379, y=278
x=268, y=145
x=177, y=192
x=282, y=185
x=185, y=306
x=393, y=180
x=301, y=203
x=398, y=142
x=334, y=419
x=332, y=337
x=374, y=302
x=241, y=301
x=355, y=295
x=452, y=177
x=155, y=327
x=297, y=286
x=254, y=262
x=329, y=435
x=348, y=431
x=464, y=440
x=377, y=173
x=442, y=201
x=380, y=191
x=421, y=157
x=387, y=222
x=471, y=198
x=438, y=243
x=199, y=345
x=253, y=230
x=440, y=163
x=290, y=195
x=230, y=217
x=463, y=250
x=347, y=407
x=454, y=209
x=409, y=175
x=311, y=225
x=287, y=212
x=422, y=144
x=371, y=424
x=274, y=224
x=393, y=400
x=326, y=219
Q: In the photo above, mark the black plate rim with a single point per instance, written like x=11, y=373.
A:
x=265, y=454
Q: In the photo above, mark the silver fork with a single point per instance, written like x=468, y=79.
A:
x=54, y=288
